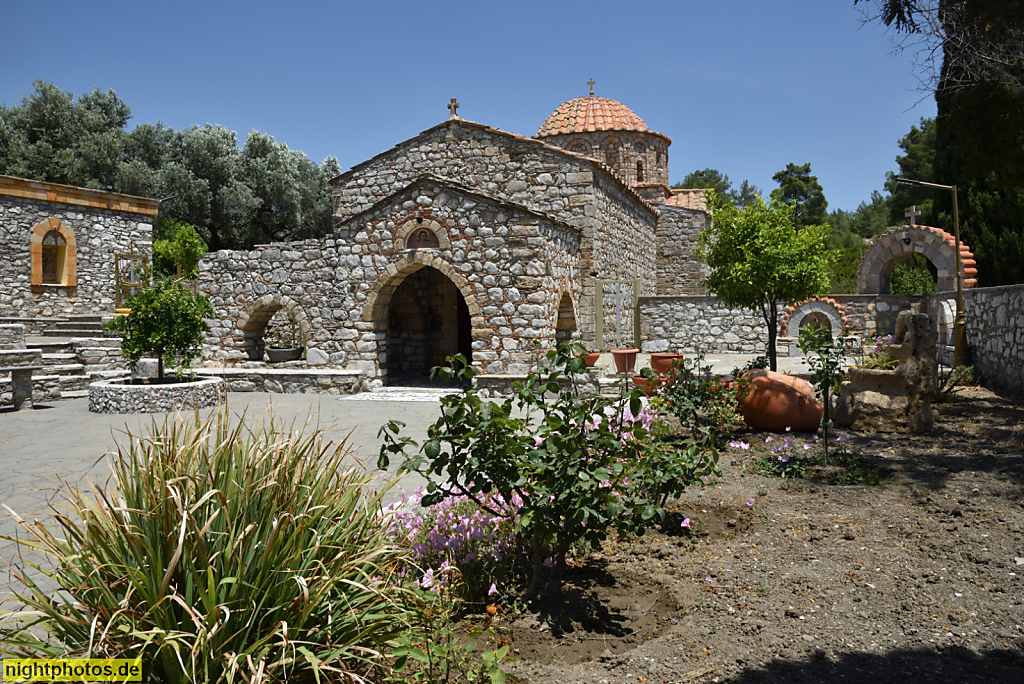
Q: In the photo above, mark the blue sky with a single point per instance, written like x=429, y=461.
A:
x=744, y=86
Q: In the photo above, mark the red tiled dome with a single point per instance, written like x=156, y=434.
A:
x=589, y=114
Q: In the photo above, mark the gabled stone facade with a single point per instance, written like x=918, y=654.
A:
x=58, y=244
x=466, y=239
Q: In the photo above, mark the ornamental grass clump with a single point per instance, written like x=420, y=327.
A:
x=217, y=554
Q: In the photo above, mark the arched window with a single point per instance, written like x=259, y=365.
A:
x=639, y=172
x=53, y=251
x=639, y=148
x=611, y=154
x=580, y=148
x=657, y=157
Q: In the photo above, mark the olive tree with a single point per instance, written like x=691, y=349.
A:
x=167, y=321
x=759, y=260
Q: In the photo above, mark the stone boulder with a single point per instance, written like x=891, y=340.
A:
x=898, y=400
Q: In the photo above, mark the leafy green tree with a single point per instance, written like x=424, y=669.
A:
x=259, y=193
x=745, y=194
x=166, y=320
x=707, y=178
x=720, y=183
x=972, y=53
x=179, y=253
x=913, y=276
x=798, y=187
x=916, y=162
x=759, y=260
x=52, y=137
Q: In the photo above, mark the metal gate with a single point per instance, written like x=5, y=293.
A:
x=610, y=295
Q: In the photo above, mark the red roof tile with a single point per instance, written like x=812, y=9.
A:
x=589, y=114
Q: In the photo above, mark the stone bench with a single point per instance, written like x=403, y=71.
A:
x=19, y=362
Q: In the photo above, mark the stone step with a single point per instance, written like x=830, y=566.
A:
x=73, y=382
x=72, y=332
x=85, y=318
x=74, y=394
x=47, y=346
x=97, y=342
x=58, y=358
x=107, y=375
x=66, y=369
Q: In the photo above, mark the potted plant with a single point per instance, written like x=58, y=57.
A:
x=661, y=362
x=590, y=358
x=167, y=322
x=648, y=381
x=283, y=340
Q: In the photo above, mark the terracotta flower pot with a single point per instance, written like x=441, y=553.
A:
x=591, y=359
x=662, y=362
x=625, y=359
x=648, y=385
x=776, y=401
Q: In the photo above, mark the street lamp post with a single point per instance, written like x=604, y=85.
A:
x=960, y=351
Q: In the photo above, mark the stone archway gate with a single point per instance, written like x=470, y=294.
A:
x=938, y=246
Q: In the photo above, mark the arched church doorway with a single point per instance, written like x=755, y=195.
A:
x=427, y=321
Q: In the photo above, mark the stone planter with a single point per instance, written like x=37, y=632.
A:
x=625, y=359
x=282, y=354
x=662, y=362
x=118, y=396
x=776, y=401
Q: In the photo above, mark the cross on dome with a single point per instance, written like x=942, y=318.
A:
x=454, y=109
x=912, y=214
x=591, y=83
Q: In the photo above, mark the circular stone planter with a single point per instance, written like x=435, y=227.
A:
x=117, y=396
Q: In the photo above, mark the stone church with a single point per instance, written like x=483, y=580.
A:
x=468, y=239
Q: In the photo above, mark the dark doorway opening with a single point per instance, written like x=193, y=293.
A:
x=427, y=321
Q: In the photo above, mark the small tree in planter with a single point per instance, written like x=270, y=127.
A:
x=759, y=260
x=166, y=321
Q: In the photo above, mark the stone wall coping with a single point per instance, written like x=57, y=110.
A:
x=280, y=372
x=11, y=369
x=23, y=188
x=462, y=190
x=608, y=173
x=832, y=296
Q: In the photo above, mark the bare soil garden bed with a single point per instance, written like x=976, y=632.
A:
x=913, y=573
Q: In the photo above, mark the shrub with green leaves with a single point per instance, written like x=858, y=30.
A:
x=178, y=254
x=706, y=405
x=167, y=321
x=576, y=466
x=218, y=554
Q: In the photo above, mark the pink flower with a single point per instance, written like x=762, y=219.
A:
x=789, y=428
x=685, y=523
x=493, y=590
x=751, y=502
x=709, y=580
x=767, y=439
x=738, y=444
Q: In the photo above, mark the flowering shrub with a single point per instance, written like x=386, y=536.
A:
x=456, y=542
x=578, y=465
x=877, y=352
x=707, y=406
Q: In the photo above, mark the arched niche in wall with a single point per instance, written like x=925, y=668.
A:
x=54, y=254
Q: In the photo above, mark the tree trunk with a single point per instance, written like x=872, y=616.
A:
x=159, y=364
x=771, y=318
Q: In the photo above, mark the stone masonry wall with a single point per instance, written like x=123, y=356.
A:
x=99, y=233
x=679, y=270
x=995, y=331
x=617, y=227
x=677, y=323
x=511, y=267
